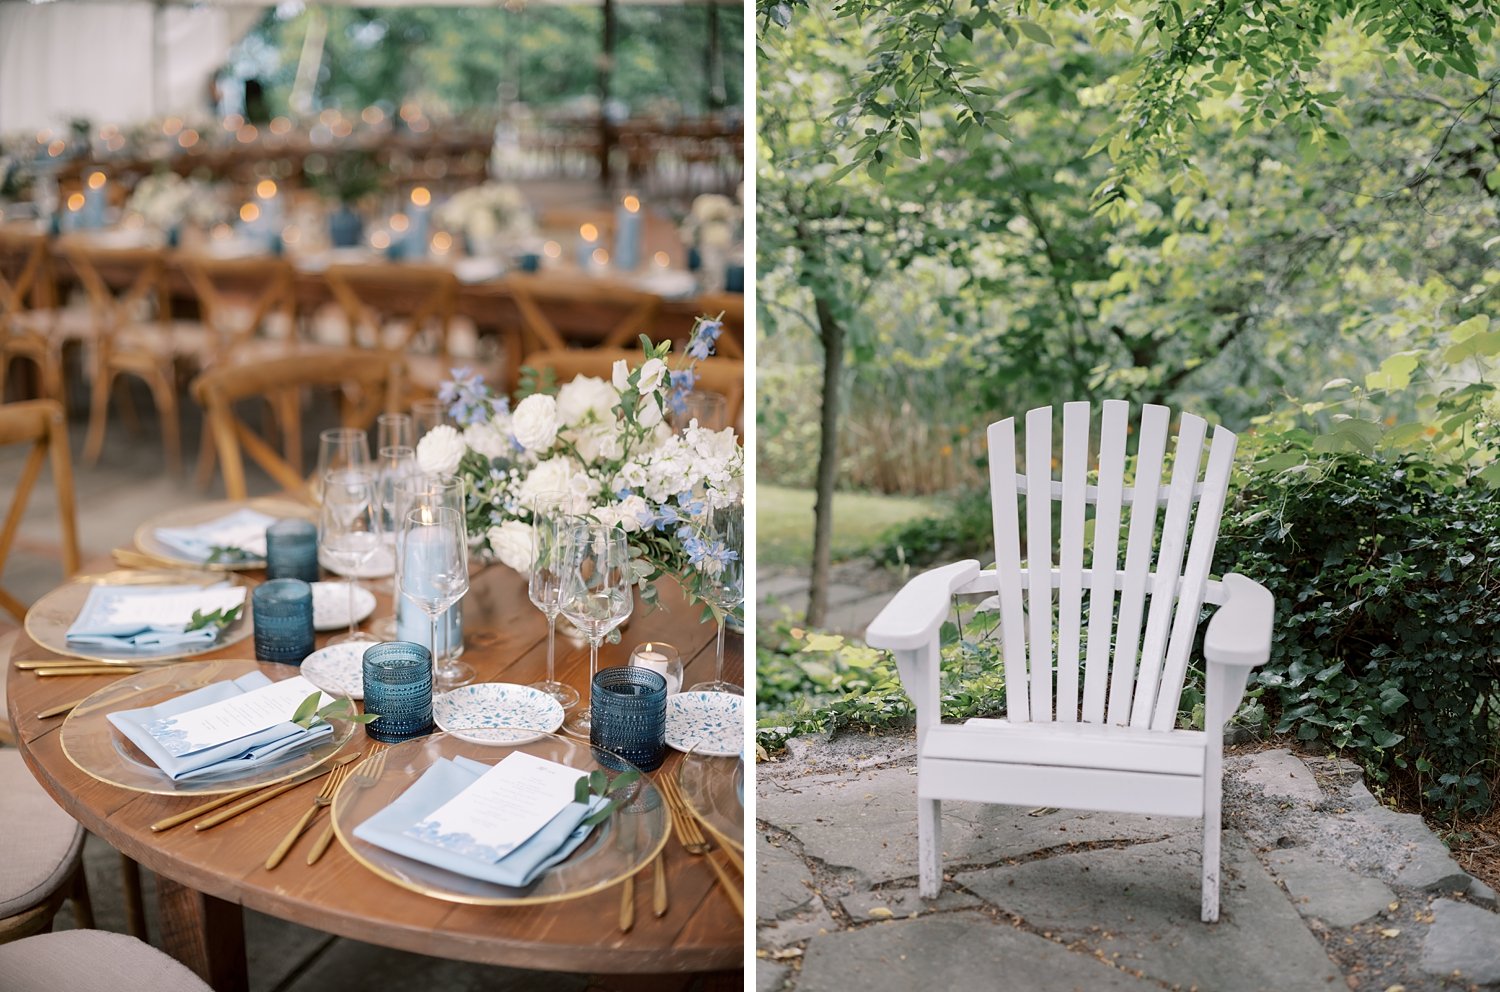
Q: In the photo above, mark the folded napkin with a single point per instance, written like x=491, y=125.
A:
x=143, y=618
x=244, y=529
x=239, y=755
x=440, y=783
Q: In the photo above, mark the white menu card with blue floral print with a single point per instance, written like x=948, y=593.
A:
x=504, y=807
x=233, y=718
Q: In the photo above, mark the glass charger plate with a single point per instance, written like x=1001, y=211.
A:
x=147, y=542
x=713, y=787
x=93, y=744
x=49, y=618
x=618, y=847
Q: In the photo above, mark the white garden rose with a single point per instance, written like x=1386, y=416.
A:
x=596, y=442
x=535, y=422
x=555, y=475
x=487, y=440
x=629, y=511
x=511, y=542
x=440, y=450
x=648, y=414
x=651, y=375
x=586, y=397
x=620, y=375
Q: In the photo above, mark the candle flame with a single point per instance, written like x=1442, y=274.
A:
x=632, y=204
x=249, y=212
x=265, y=189
x=588, y=232
x=421, y=196
x=75, y=202
x=96, y=180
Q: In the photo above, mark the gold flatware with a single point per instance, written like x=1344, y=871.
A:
x=692, y=839
x=139, y=559
x=272, y=792
x=323, y=798
x=167, y=823
x=59, y=710
x=659, y=887
x=365, y=773
x=32, y=664
x=67, y=670
x=627, y=905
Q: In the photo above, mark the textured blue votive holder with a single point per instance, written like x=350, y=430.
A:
x=292, y=550
x=628, y=717
x=398, y=688
x=283, y=615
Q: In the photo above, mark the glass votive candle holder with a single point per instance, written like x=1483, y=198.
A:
x=628, y=711
x=282, y=612
x=398, y=689
x=292, y=550
x=661, y=658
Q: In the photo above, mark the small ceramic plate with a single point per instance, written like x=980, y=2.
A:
x=381, y=564
x=706, y=723
x=331, y=605
x=338, y=668
x=465, y=711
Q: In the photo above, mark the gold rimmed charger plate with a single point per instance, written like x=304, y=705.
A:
x=93, y=744
x=49, y=618
x=619, y=847
x=711, y=785
x=148, y=543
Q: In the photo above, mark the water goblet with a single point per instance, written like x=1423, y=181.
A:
x=596, y=593
x=718, y=557
x=434, y=564
x=339, y=448
x=544, y=584
x=349, y=526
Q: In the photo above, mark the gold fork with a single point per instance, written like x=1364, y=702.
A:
x=365, y=773
x=323, y=799
x=692, y=839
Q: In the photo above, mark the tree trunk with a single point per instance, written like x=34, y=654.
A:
x=831, y=336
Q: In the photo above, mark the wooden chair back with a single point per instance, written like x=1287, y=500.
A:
x=23, y=267
x=1141, y=611
x=237, y=296
x=366, y=384
x=556, y=313
x=133, y=293
x=415, y=299
x=725, y=376
x=42, y=424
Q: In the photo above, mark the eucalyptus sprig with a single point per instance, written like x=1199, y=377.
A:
x=224, y=554
x=217, y=620
x=308, y=714
x=596, y=783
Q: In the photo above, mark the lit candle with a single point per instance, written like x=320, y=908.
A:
x=588, y=240
x=628, y=234
x=421, y=209
x=94, y=199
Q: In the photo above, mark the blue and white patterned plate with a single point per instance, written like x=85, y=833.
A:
x=706, y=723
x=339, y=669
x=465, y=712
x=331, y=605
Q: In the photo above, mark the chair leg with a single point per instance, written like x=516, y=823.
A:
x=207, y=457
x=929, y=847
x=166, y=409
x=135, y=903
x=93, y=445
x=1212, y=834
x=83, y=906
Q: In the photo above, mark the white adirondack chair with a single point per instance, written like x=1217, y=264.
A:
x=1095, y=726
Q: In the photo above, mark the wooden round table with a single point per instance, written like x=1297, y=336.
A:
x=205, y=878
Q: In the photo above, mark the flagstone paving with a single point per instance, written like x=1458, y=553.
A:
x=1323, y=887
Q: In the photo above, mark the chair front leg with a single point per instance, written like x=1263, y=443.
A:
x=919, y=676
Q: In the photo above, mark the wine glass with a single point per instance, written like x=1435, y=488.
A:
x=349, y=533
x=718, y=556
x=544, y=583
x=710, y=409
x=447, y=491
x=396, y=464
x=596, y=593
x=339, y=448
x=394, y=430
x=427, y=414
x=434, y=565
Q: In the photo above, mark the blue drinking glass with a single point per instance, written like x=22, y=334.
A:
x=628, y=717
x=282, y=611
x=398, y=689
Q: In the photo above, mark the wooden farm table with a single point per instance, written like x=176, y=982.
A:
x=204, y=879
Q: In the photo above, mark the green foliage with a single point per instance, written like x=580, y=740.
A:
x=598, y=783
x=964, y=530
x=309, y=714
x=217, y=619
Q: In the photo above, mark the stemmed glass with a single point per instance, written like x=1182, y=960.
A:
x=394, y=430
x=710, y=409
x=719, y=559
x=544, y=584
x=396, y=464
x=339, y=448
x=414, y=492
x=434, y=564
x=427, y=414
x=596, y=594
x=349, y=526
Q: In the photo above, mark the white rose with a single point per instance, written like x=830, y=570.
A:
x=620, y=376
x=648, y=414
x=440, y=450
x=596, y=442
x=584, y=397
x=629, y=511
x=651, y=374
x=511, y=541
x=551, y=476
x=487, y=440
x=535, y=422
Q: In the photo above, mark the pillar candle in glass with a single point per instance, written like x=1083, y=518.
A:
x=420, y=213
x=588, y=241
x=661, y=658
x=95, y=198
x=628, y=222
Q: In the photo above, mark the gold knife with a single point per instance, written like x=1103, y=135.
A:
x=45, y=673
x=273, y=792
x=58, y=710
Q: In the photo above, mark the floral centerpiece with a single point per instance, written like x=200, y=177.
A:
x=605, y=443
x=710, y=224
x=165, y=200
x=489, y=216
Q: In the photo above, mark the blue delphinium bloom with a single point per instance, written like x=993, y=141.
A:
x=705, y=336
x=466, y=397
x=682, y=384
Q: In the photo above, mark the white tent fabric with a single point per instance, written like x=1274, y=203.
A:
x=105, y=62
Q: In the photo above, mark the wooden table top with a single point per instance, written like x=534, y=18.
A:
x=506, y=640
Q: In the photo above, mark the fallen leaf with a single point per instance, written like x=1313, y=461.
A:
x=881, y=913
x=1390, y=932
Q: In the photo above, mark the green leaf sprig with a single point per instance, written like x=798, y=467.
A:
x=217, y=620
x=308, y=714
x=597, y=783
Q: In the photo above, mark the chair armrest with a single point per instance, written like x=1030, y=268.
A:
x=912, y=620
x=1240, y=632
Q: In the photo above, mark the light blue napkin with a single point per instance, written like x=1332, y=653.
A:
x=97, y=627
x=440, y=783
x=198, y=542
x=227, y=759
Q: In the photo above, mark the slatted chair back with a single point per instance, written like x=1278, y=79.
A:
x=725, y=376
x=23, y=264
x=390, y=306
x=366, y=384
x=239, y=297
x=555, y=314
x=42, y=424
x=135, y=296
x=1123, y=623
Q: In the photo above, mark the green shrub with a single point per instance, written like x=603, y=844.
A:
x=963, y=531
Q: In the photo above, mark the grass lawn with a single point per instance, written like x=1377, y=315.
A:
x=784, y=522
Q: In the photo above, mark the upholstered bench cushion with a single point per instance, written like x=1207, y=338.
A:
x=8, y=637
x=91, y=961
x=42, y=843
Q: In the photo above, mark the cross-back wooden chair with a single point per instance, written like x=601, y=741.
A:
x=556, y=314
x=725, y=376
x=31, y=327
x=1093, y=725
x=43, y=425
x=366, y=383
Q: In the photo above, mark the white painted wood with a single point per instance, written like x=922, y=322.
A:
x=1172, y=545
x=1070, y=745
x=1039, y=559
x=1102, y=578
x=1195, y=578
x=1148, y=465
x=984, y=581
x=915, y=615
x=1065, y=788
x=1240, y=633
x=1091, y=493
x=1213, y=798
x=1075, y=463
x=1005, y=515
x=929, y=847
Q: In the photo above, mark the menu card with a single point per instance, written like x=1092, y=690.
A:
x=162, y=608
x=504, y=807
x=244, y=529
x=233, y=718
